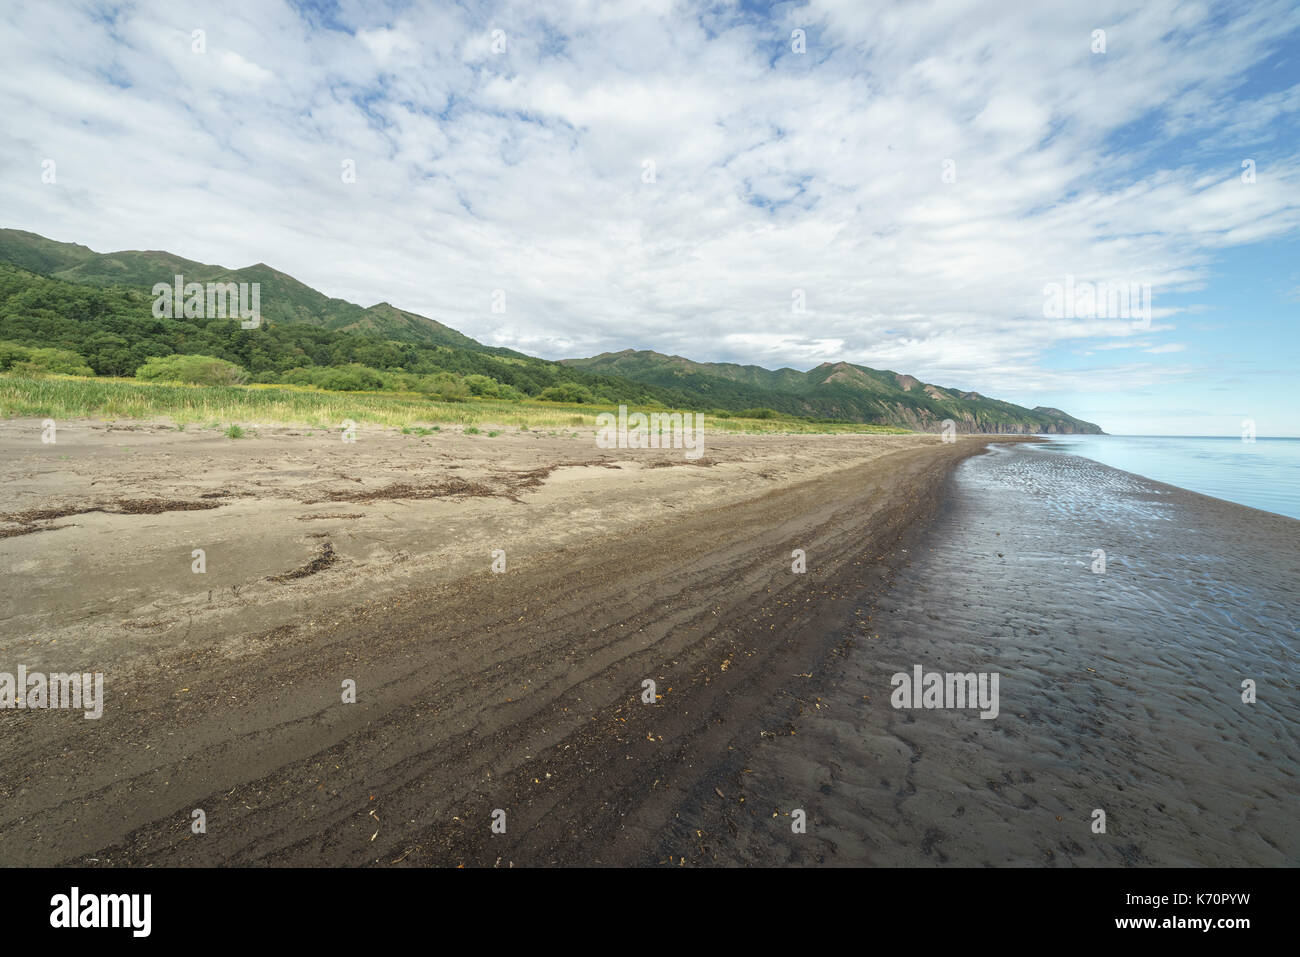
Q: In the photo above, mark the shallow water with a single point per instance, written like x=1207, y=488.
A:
x=1263, y=474
x=1119, y=691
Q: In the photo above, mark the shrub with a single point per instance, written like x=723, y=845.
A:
x=28, y=360
x=11, y=352
x=483, y=385
x=759, y=414
x=349, y=378
x=453, y=391
x=567, y=392
x=353, y=377
x=200, y=370
x=509, y=392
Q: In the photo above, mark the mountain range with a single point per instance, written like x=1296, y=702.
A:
x=839, y=390
x=832, y=390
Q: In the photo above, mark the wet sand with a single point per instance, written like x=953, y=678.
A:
x=1120, y=691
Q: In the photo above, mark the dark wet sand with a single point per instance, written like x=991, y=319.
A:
x=1119, y=691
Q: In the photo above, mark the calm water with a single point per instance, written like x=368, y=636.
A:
x=1263, y=474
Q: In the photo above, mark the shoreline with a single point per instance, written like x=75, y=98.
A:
x=1261, y=492
x=1121, y=691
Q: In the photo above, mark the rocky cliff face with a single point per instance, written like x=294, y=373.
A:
x=965, y=422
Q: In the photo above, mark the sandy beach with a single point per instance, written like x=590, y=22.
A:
x=371, y=562
x=518, y=696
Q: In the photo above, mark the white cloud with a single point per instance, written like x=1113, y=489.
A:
x=384, y=43
x=234, y=65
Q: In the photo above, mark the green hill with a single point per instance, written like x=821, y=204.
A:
x=98, y=306
x=838, y=390
x=113, y=329
x=38, y=254
x=283, y=298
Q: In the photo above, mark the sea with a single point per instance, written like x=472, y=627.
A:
x=1263, y=474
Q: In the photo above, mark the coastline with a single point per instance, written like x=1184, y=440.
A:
x=1254, y=474
x=522, y=691
x=1121, y=691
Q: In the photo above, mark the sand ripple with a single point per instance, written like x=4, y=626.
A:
x=1119, y=691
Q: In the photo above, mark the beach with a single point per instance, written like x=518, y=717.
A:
x=501, y=716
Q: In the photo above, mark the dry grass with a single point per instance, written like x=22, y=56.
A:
x=75, y=397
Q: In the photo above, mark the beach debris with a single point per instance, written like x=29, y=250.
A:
x=324, y=560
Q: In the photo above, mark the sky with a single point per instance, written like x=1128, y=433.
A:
x=899, y=185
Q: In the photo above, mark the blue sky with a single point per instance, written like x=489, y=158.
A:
x=508, y=147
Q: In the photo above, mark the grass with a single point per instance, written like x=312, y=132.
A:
x=76, y=397
x=235, y=432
